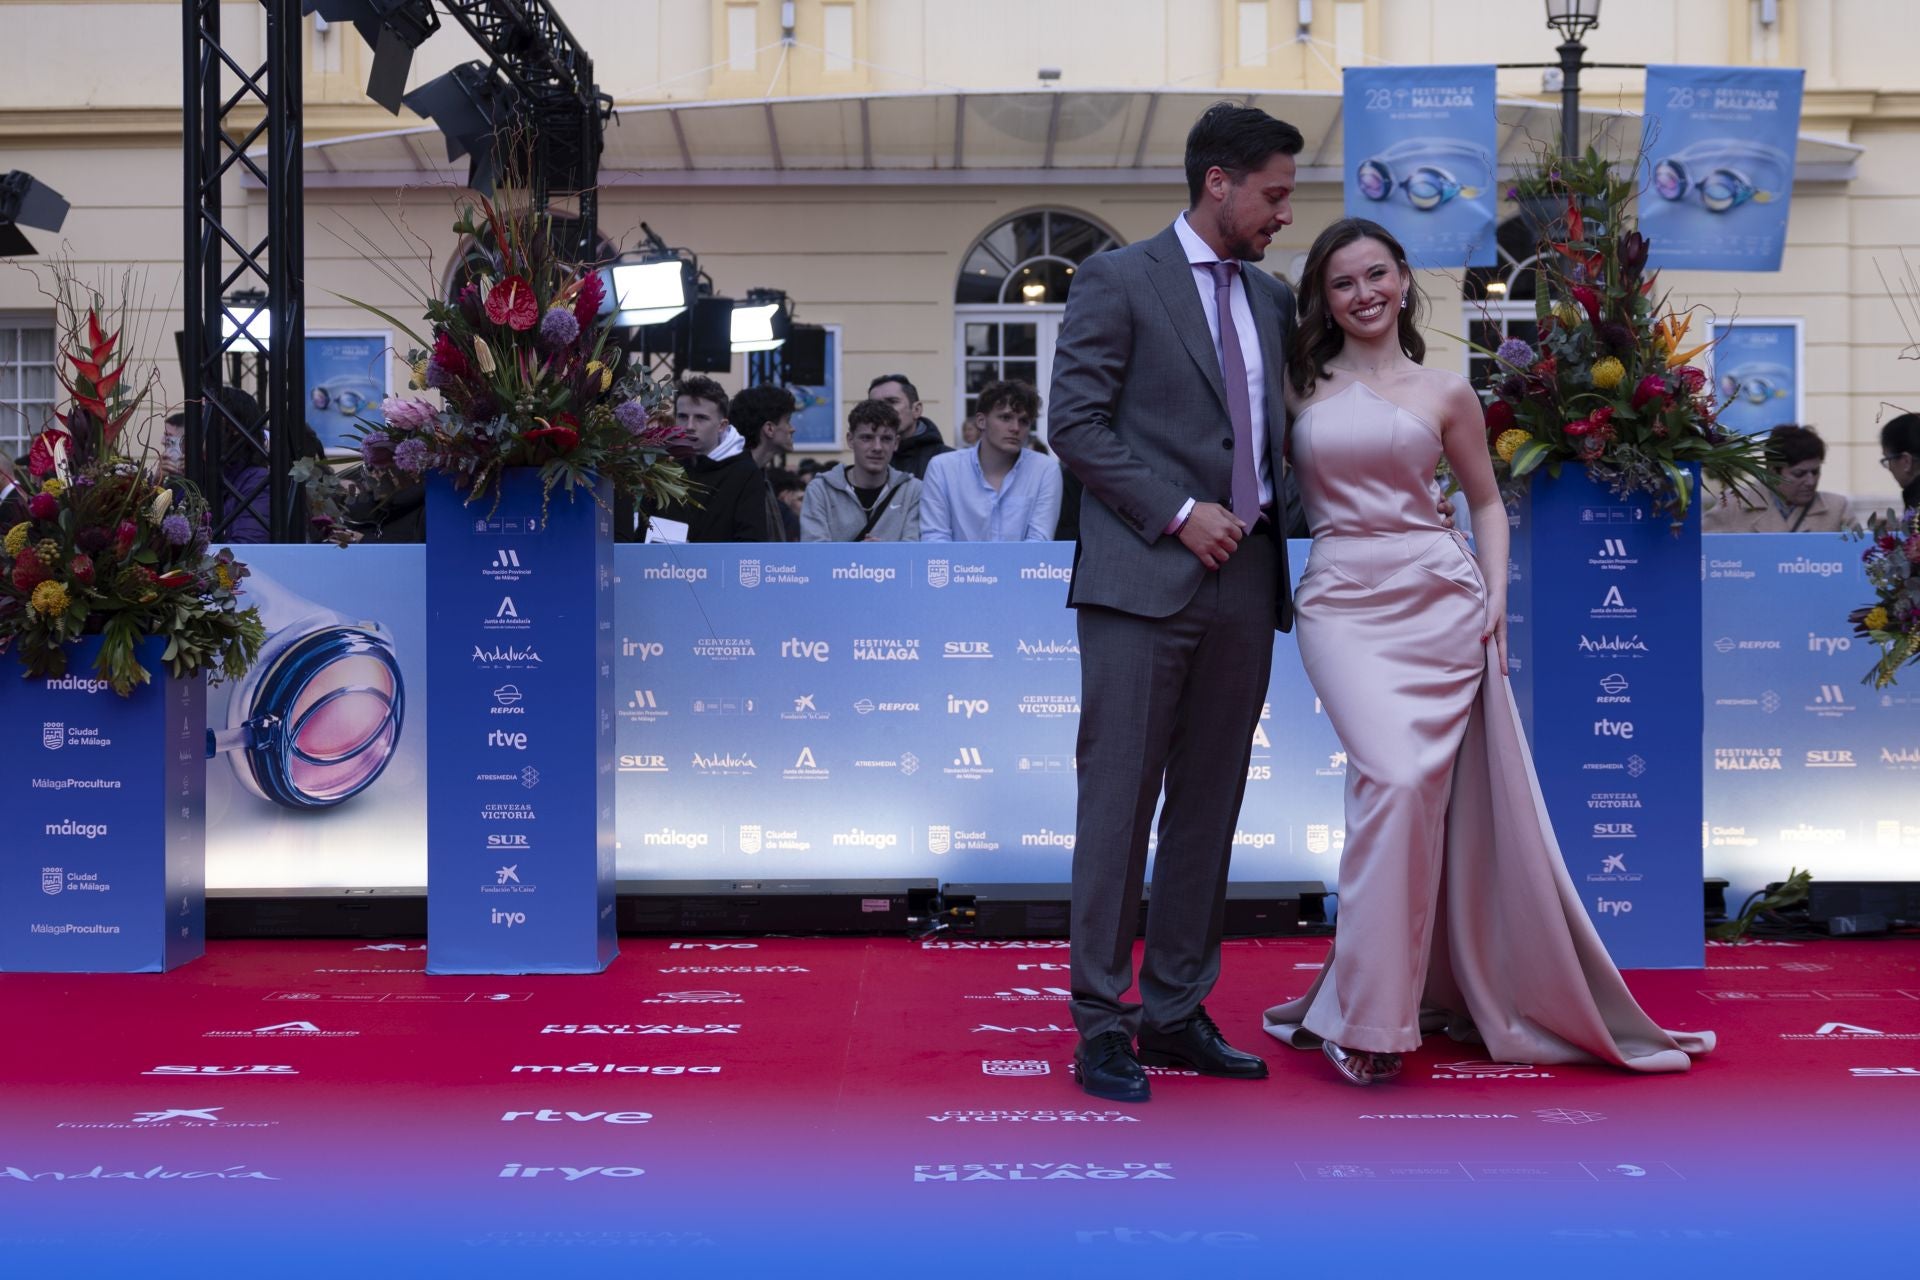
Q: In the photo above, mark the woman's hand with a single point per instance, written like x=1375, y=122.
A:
x=1494, y=628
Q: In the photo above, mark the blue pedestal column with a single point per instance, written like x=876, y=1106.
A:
x=1605, y=619
x=103, y=869
x=520, y=874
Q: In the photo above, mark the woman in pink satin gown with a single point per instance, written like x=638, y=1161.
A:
x=1456, y=910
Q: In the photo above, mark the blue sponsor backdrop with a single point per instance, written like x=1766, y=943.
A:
x=1717, y=173
x=1779, y=632
x=520, y=824
x=1419, y=154
x=104, y=866
x=1756, y=374
x=1605, y=613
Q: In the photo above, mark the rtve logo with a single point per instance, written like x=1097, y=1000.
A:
x=1613, y=729
x=505, y=739
x=816, y=650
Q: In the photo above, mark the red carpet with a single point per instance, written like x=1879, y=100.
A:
x=832, y=1107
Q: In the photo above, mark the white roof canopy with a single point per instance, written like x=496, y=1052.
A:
x=1028, y=136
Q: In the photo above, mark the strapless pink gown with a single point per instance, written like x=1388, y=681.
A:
x=1456, y=909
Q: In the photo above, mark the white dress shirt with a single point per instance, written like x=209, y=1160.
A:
x=1200, y=255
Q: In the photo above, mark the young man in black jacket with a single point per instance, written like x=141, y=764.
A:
x=920, y=439
x=731, y=491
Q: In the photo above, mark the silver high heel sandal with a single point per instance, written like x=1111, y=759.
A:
x=1360, y=1067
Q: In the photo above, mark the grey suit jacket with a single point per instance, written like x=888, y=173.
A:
x=1139, y=412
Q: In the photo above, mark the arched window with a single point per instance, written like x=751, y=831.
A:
x=1010, y=296
x=1499, y=299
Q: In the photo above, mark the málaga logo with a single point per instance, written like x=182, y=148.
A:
x=749, y=573
x=938, y=573
x=939, y=840
x=53, y=735
x=750, y=838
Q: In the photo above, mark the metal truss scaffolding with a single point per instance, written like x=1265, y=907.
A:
x=245, y=297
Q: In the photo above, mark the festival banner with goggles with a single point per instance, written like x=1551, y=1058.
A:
x=348, y=374
x=1420, y=146
x=1717, y=156
x=1756, y=371
x=330, y=710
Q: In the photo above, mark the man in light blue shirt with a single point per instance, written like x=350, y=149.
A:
x=999, y=490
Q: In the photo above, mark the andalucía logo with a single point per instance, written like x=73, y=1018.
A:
x=1616, y=645
x=1047, y=1171
x=505, y=657
x=159, y=1171
x=297, y=1030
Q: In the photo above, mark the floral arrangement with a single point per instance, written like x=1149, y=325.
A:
x=109, y=549
x=1610, y=385
x=526, y=377
x=1892, y=622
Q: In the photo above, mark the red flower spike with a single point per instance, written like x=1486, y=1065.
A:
x=81, y=567
x=1589, y=299
x=511, y=304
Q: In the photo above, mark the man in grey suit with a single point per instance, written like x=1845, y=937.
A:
x=1167, y=404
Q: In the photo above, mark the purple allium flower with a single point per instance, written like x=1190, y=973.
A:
x=376, y=450
x=632, y=415
x=558, y=328
x=437, y=375
x=1516, y=352
x=410, y=456
x=176, y=530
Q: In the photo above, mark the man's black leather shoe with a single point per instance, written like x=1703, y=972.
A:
x=1199, y=1046
x=1107, y=1068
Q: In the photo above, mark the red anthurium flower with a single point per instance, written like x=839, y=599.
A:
x=40, y=456
x=175, y=578
x=512, y=304
x=1652, y=387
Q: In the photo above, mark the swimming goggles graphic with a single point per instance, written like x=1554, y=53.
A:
x=348, y=397
x=318, y=717
x=1756, y=383
x=1428, y=171
x=1725, y=172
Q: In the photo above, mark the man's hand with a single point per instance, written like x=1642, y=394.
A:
x=1211, y=533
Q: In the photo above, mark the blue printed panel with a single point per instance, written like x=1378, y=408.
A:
x=520, y=773
x=1807, y=766
x=1606, y=620
x=104, y=867
x=894, y=710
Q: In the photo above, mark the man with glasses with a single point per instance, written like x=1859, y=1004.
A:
x=920, y=440
x=1900, y=455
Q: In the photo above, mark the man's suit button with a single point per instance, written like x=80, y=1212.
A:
x=1227, y=443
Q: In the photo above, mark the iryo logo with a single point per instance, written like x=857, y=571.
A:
x=1612, y=906
x=1828, y=644
x=509, y=918
x=641, y=649
x=971, y=707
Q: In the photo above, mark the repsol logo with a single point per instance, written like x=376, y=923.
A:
x=674, y=573
x=863, y=573
x=1046, y=838
x=1819, y=568
x=77, y=684
x=84, y=830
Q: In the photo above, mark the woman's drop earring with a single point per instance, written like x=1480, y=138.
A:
x=1403, y=302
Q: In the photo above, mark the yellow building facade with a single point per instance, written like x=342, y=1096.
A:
x=922, y=174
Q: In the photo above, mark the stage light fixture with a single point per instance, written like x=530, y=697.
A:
x=395, y=28
x=761, y=321
x=25, y=201
x=465, y=104
x=648, y=291
x=245, y=322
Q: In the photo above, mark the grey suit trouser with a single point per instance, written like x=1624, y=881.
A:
x=1170, y=701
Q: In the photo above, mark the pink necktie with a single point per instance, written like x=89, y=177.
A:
x=1233, y=367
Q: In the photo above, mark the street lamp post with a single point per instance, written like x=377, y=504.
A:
x=1572, y=19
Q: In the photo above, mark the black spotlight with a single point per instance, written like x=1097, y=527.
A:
x=25, y=201
x=467, y=103
x=395, y=28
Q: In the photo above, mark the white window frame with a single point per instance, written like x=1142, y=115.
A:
x=1046, y=318
x=13, y=408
